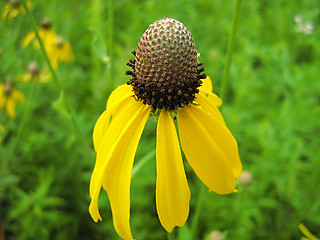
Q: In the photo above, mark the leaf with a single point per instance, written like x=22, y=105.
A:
x=100, y=48
x=60, y=106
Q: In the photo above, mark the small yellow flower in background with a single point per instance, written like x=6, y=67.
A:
x=307, y=233
x=60, y=51
x=47, y=35
x=167, y=82
x=9, y=96
x=2, y=130
x=13, y=8
x=57, y=48
x=35, y=74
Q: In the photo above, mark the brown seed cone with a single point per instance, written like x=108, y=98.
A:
x=165, y=69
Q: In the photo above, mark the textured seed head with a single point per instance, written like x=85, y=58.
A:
x=165, y=69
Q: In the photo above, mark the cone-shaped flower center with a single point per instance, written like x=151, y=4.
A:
x=165, y=68
x=8, y=87
x=46, y=23
x=15, y=3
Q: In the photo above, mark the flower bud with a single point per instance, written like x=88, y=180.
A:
x=33, y=69
x=215, y=235
x=246, y=178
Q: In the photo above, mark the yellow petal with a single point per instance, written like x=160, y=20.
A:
x=206, y=90
x=11, y=108
x=30, y=36
x=117, y=101
x=100, y=128
x=114, y=164
x=210, y=106
x=306, y=232
x=206, y=84
x=3, y=98
x=222, y=137
x=172, y=191
x=208, y=147
x=123, y=91
x=5, y=12
x=17, y=95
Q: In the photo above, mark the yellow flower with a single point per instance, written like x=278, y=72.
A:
x=60, y=51
x=13, y=8
x=35, y=74
x=57, y=48
x=307, y=233
x=47, y=35
x=2, y=130
x=166, y=83
x=9, y=96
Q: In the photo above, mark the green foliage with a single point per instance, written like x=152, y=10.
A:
x=272, y=108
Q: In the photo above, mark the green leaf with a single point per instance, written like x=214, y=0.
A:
x=60, y=106
x=100, y=48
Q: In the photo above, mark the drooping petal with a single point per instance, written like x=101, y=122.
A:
x=206, y=90
x=172, y=191
x=210, y=149
x=209, y=106
x=100, y=128
x=123, y=91
x=117, y=101
x=114, y=164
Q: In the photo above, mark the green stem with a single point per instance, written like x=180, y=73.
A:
x=196, y=216
x=171, y=236
x=111, y=38
x=235, y=20
x=142, y=162
x=54, y=75
x=25, y=117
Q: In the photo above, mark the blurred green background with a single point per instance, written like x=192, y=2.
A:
x=272, y=108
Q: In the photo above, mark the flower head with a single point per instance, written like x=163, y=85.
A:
x=60, y=51
x=166, y=80
x=9, y=96
x=165, y=68
x=13, y=8
x=35, y=74
x=57, y=48
x=47, y=35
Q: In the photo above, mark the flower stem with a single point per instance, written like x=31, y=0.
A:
x=142, y=162
x=196, y=216
x=235, y=20
x=110, y=42
x=171, y=235
x=24, y=118
x=54, y=75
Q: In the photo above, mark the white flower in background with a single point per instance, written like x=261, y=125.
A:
x=301, y=26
